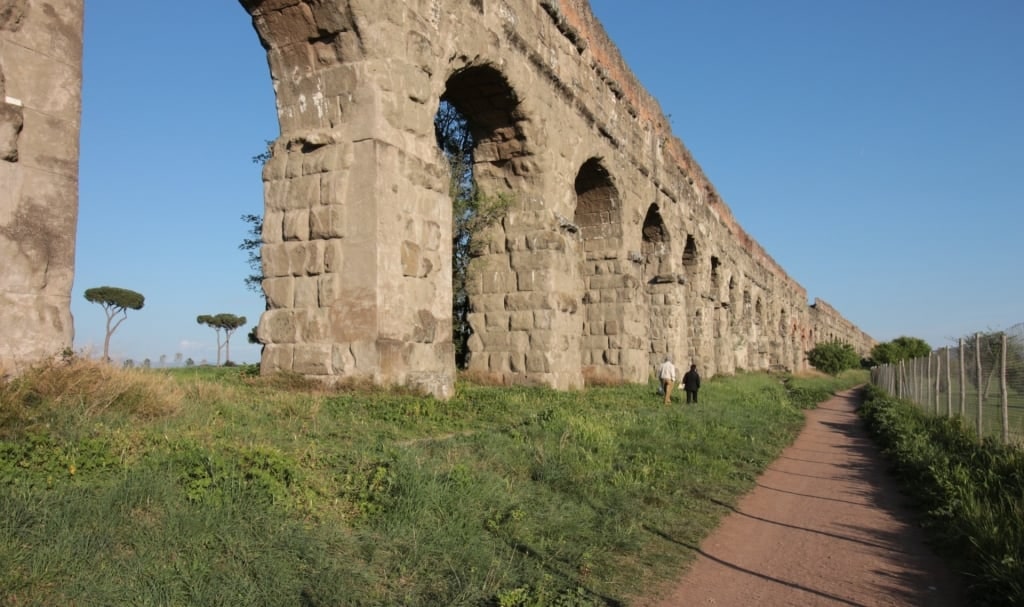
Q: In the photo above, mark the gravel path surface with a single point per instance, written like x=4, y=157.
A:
x=825, y=525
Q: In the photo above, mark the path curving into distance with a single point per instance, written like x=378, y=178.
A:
x=825, y=526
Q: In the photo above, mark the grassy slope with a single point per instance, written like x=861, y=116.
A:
x=204, y=487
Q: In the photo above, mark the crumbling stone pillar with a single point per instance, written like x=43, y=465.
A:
x=40, y=108
x=357, y=229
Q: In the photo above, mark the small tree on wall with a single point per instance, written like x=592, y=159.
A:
x=472, y=212
x=114, y=301
x=222, y=322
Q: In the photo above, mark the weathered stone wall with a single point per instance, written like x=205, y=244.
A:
x=616, y=249
x=40, y=93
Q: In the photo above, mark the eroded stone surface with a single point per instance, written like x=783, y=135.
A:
x=616, y=249
x=40, y=84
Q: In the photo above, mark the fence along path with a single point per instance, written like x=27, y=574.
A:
x=824, y=526
x=980, y=380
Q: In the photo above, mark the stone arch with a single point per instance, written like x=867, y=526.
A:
x=484, y=96
x=665, y=316
x=655, y=236
x=598, y=209
x=598, y=217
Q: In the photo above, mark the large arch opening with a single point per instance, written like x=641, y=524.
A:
x=490, y=106
x=655, y=236
x=598, y=216
x=660, y=288
x=477, y=131
x=177, y=168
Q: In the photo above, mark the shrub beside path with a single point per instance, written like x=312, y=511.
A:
x=825, y=525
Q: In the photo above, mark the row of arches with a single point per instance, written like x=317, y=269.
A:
x=612, y=325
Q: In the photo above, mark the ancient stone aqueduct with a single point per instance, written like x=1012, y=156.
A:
x=617, y=249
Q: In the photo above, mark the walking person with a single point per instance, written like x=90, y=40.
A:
x=691, y=383
x=667, y=377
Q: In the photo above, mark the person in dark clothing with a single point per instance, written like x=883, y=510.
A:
x=691, y=383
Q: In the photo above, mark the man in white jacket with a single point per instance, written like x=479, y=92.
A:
x=667, y=377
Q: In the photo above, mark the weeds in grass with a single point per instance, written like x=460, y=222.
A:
x=83, y=387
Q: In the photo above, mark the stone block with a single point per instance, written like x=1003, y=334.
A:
x=489, y=303
x=538, y=362
x=518, y=341
x=424, y=329
x=594, y=342
x=546, y=241
x=303, y=193
x=330, y=289
x=327, y=222
x=313, y=359
x=529, y=301
x=532, y=260
x=334, y=189
x=521, y=321
x=307, y=258
x=342, y=360
x=280, y=292
x=536, y=280
x=494, y=340
x=477, y=321
x=542, y=318
x=333, y=255
x=327, y=158
x=412, y=260
x=517, y=362
x=498, y=362
x=276, y=357
x=280, y=326
x=275, y=194
x=274, y=259
x=307, y=292
x=296, y=225
x=498, y=282
x=497, y=321
x=273, y=227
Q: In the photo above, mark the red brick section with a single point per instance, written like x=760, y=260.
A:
x=607, y=57
x=824, y=526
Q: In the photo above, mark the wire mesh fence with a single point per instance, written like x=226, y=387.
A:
x=980, y=380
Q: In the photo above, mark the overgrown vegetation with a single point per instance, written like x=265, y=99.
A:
x=970, y=495
x=201, y=486
x=833, y=357
x=901, y=348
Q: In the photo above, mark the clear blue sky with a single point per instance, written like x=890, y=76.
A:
x=874, y=148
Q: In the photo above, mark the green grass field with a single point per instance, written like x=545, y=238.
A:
x=217, y=487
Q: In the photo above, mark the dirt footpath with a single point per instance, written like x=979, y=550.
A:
x=824, y=526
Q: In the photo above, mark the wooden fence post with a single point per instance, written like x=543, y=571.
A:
x=977, y=362
x=949, y=386
x=963, y=381
x=1005, y=396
